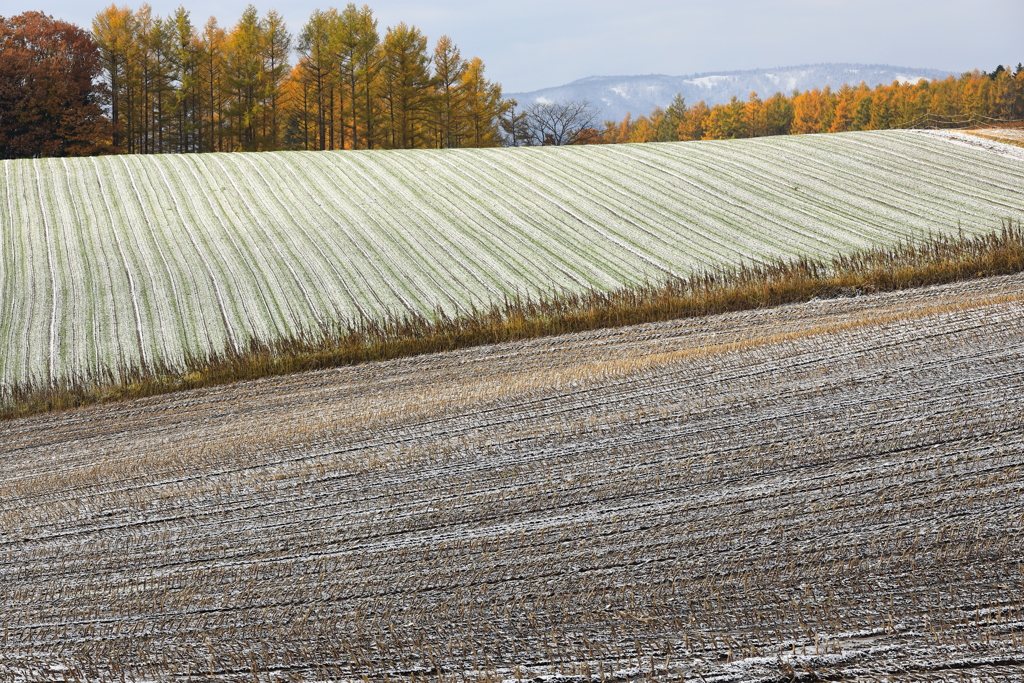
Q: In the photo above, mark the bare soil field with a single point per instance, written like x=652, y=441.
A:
x=823, y=491
x=1006, y=134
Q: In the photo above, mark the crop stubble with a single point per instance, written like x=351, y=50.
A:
x=831, y=487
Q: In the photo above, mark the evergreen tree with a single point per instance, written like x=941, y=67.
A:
x=187, y=97
x=668, y=127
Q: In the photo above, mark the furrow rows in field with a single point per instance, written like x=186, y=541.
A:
x=594, y=261
x=162, y=303
x=551, y=410
x=125, y=206
x=536, y=245
x=920, y=186
x=70, y=275
x=770, y=227
x=129, y=287
x=411, y=231
x=469, y=257
x=279, y=258
x=189, y=307
x=672, y=214
x=592, y=349
x=56, y=295
x=9, y=237
x=89, y=301
x=811, y=199
x=583, y=216
x=306, y=261
x=108, y=309
x=343, y=286
x=988, y=172
x=647, y=496
x=208, y=248
x=397, y=236
x=120, y=261
x=33, y=284
x=620, y=202
x=391, y=289
x=253, y=269
x=352, y=289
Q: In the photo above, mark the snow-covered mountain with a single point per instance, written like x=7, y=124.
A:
x=615, y=96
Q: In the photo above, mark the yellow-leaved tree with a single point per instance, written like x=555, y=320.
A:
x=448, y=121
x=483, y=107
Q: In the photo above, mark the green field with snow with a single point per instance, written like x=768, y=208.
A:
x=130, y=260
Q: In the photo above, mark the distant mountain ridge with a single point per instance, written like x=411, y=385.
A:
x=616, y=96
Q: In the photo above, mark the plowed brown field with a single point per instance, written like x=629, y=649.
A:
x=826, y=491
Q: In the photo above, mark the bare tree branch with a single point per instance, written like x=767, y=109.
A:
x=561, y=123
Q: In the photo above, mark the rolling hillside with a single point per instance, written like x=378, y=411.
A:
x=824, y=491
x=128, y=261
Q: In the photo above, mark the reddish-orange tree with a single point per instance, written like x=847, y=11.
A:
x=49, y=105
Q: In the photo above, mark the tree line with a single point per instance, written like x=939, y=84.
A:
x=973, y=97
x=175, y=87
x=144, y=84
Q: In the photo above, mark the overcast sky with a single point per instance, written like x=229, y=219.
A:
x=531, y=44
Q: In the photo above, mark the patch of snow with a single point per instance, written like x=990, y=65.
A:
x=709, y=81
x=908, y=80
x=632, y=672
x=541, y=678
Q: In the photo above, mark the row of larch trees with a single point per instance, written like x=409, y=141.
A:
x=175, y=87
x=975, y=96
x=353, y=90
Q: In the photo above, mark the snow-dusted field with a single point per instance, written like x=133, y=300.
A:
x=825, y=491
x=115, y=261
